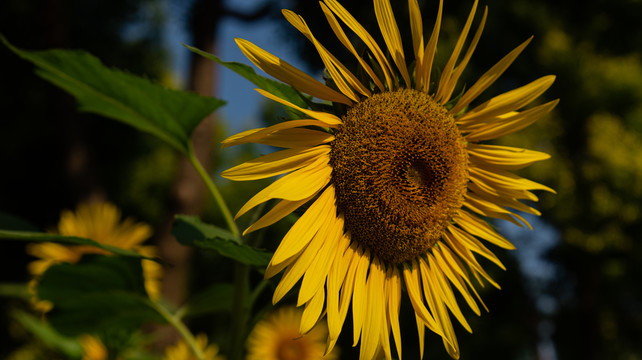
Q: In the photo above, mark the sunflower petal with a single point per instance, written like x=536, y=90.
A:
x=478, y=227
x=417, y=33
x=312, y=311
x=354, y=25
x=276, y=163
x=391, y=36
x=305, y=228
x=330, y=119
x=452, y=81
x=316, y=275
x=298, y=185
x=509, y=101
x=394, y=304
x=488, y=78
x=429, y=52
x=287, y=73
x=278, y=212
x=509, y=158
x=360, y=296
x=375, y=304
x=450, y=65
x=340, y=34
x=259, y=135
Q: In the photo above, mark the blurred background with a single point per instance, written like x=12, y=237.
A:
x=573, y=288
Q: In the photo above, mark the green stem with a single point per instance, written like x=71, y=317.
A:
x=176, y=322
x=214, y=191
x=240, y=309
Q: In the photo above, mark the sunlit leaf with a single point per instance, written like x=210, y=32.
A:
x=191, y=231
x=170, y=115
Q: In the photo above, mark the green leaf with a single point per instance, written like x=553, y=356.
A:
x=216, y=298
x=48, y=335
x=170, y=115
x=100, y=293
x=45, y=237
x=191, y=231
x=277, y=88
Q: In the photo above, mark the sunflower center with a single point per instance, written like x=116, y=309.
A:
x=292, y=349
x=400, y=172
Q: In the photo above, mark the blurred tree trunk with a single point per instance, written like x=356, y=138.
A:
x=188, y=191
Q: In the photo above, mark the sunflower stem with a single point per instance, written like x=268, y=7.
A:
x=214, y=191
x=240, y=310
x=176, y=322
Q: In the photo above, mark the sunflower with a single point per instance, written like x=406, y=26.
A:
x=277, y=337
x=181, y=351
x=396, y=177
x=92, y=348
x=101, y=222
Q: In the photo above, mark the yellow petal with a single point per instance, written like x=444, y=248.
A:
x=509, y=101
x=375, y=305
x=391, y=36
x=340, y=34
x=505, y=124
x=436, y=306
x=452, y=81
x=298, y=185
x=450, y=65
x=338, y=72
x=455, y=279
x=506, y=157
x=488, y=78
x=278, y=212
x=417, y=32
x=330, y=119
x=429, y=52
x=276, y=163
x=305, y=228
x=287, y=73
x=478, y=227
x=394, y=304
x=354, y=25
x=446, y=291
x=413, y=286
x=506, y=180
x=359, y=295
x=336, y=277
x=300, y=266
x=320, y=264
x=467, y=256
x=312, y=312
x=260, y=134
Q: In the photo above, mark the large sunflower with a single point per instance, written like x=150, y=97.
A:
x=397, y=179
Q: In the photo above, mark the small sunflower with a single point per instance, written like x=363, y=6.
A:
x=102, y=223
x=93, y=348
x=181, y=351
x=396, y=177
x=277, y=337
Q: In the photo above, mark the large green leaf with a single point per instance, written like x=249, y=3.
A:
x=191, y=231
x=279, y=89
x=170, y=115
x=99, y=293
x=46, y=237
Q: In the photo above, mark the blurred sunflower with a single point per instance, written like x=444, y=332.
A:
x=93, y=348
x=397, y=179
x=277, y=337
x=180, y=350
x=101, y=222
